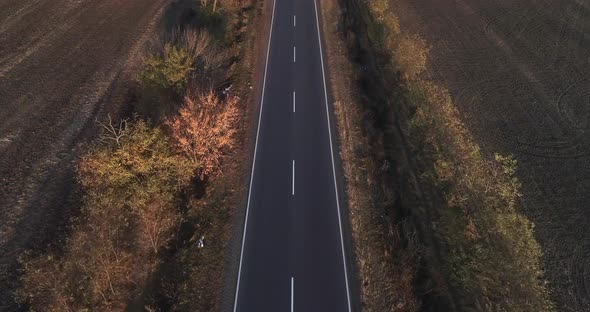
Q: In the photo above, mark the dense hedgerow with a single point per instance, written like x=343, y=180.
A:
x=493, y=258
x=135, y=181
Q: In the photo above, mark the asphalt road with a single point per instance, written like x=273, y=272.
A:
x=292, y=256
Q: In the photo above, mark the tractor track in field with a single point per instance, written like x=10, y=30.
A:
x=518, y=72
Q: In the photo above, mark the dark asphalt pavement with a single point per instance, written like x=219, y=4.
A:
x=292, y=256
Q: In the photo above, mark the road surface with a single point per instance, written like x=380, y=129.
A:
x=292, y=256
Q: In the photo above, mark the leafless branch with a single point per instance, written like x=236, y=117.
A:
x=113, y=133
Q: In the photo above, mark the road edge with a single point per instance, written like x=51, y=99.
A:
x=340, y=180
x=236, y=242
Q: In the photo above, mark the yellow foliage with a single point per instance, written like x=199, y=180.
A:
x=494, y=258
x=128, y=216
x=410, y=55
x=168, y=71
x=145, y=162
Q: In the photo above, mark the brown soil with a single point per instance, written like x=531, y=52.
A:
x=62, y=64
x=519, y=72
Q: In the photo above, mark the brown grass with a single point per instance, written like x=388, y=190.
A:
x=385, y=247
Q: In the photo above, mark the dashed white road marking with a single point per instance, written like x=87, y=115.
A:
x=292, y=294
x=294, y=54
x=293, y=182
x=293, y=101
x=294, y=20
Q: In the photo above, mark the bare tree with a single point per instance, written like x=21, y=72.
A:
x=113, y=133
x=156, y=223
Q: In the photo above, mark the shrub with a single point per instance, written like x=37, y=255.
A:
x=204, y=126
x=410, y=55
x=145, y=160
x=209, y=60
x=128, y=216
x=168, y=71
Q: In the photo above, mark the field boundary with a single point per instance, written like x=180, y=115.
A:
x=435, y=183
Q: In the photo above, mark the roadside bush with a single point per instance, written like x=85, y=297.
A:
x=168, y=71
x=128, y=216
x=215, y=5
x=144, y=163
x=195, y=43
x=410, y=55
x=203, y=52
x=184, y=60
x=209, y=60
x=203, y=128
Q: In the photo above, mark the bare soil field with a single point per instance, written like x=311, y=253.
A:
x=519, y=72
x=63, y=63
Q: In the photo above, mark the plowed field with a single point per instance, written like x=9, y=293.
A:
x=519, y=71
x=63, y=63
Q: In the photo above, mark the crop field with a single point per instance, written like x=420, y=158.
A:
x=63, y=63
x=519, y=71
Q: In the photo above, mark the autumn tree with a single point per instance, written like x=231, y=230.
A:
x=128, y=216
x=168, y=71
x=204, y=126
x=155, y=223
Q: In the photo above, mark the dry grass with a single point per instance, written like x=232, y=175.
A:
x=385, y=248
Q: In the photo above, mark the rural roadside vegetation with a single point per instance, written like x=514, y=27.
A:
x=152, y=230
x=435, y=220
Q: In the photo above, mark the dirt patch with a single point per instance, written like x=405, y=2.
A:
x=518, y=72
x=62, y=64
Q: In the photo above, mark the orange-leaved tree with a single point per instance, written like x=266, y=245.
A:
x=203, y=128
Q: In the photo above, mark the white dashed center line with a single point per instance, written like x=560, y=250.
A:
x=292, y=294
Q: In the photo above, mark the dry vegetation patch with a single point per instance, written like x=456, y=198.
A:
x=384, y=243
